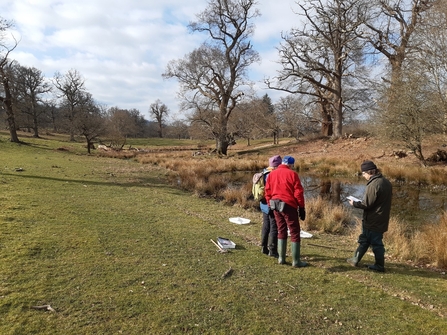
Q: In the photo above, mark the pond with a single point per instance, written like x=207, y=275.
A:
x=413, y=204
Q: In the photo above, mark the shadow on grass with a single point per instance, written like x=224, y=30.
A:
x=390, y=269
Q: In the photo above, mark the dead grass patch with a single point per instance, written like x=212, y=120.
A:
x=430, y=243
x=324, y=216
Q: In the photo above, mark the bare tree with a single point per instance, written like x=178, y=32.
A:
x=317, y=58
x=217, y=70
x=390, y=27
x=71, y=88
x=297, y=117
x=431, y=39
x=159, y=111
x=6, y=73
x=414, y=104
x=121, y=122
x=246, y=120
x=31, y=85
x=90, y=120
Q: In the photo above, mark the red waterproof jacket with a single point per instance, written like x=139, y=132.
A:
x=284, y=184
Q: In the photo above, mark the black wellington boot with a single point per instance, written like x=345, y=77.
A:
x=379, y=265
x=273, y=247
x=264, y=241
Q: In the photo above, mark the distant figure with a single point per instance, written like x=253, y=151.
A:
x=285, y=195
x=376, y=205
x=269, y=232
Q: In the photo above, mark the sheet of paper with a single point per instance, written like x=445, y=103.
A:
x=353, y=198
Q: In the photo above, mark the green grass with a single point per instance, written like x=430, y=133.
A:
x=115, y=249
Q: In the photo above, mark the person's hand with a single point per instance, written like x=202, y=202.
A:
x=351, y=202
x=302, y=213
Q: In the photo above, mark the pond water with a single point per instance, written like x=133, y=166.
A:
x=412, y=204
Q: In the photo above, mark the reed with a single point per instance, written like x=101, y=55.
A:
x=398, y=239
x=416, y=175
x=430, y=243
x=324, y=216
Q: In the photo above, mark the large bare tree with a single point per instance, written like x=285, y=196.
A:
x=318, y=57
x=90, y=119
x=31, y=86
x=217, y=70
x=6, y=74
x=414, y=104
x=71, y=90
x=390, y=26
x=159, y=111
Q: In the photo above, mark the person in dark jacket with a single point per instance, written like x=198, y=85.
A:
x=269, y=232
x=376, y=205
x=285, y=195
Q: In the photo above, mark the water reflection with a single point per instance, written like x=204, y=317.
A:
x=412, y=204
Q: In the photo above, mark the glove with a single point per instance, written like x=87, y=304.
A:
x=302, y=213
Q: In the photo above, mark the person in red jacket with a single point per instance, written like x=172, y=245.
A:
x=285, y=195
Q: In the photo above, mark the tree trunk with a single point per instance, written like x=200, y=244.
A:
x=326, y=124
x=12, y=128
x=35, y=122
x=222, y=144
x=7, y=101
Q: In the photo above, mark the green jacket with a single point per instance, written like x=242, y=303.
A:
x=376, y=204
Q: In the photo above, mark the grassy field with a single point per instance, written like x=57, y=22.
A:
x=114, y=249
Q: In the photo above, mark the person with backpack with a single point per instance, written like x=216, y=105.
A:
x=269, y=232
x=285, y=195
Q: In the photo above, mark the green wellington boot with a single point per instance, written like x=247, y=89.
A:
x=282, y=246
x=296, y=262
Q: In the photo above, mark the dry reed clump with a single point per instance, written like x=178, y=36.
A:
x=324, y=216
x=412, y=174
x=239, y=196
x=398, y=240
x=210, y=186
x=438, y=176
x=430, y=243
x=119, y=154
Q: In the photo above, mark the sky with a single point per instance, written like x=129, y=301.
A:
x=121, y=48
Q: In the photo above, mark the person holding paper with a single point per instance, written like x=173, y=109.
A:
x=376, y=205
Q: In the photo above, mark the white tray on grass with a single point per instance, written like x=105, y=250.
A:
x=225, y=243
x=239, y=220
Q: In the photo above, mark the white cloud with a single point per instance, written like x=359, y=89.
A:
x=121, y=48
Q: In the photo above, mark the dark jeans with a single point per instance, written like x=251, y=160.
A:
x=374, y=239
x=288, y=218
x=269, y=232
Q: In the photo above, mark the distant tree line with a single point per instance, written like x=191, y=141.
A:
x=343, y=62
